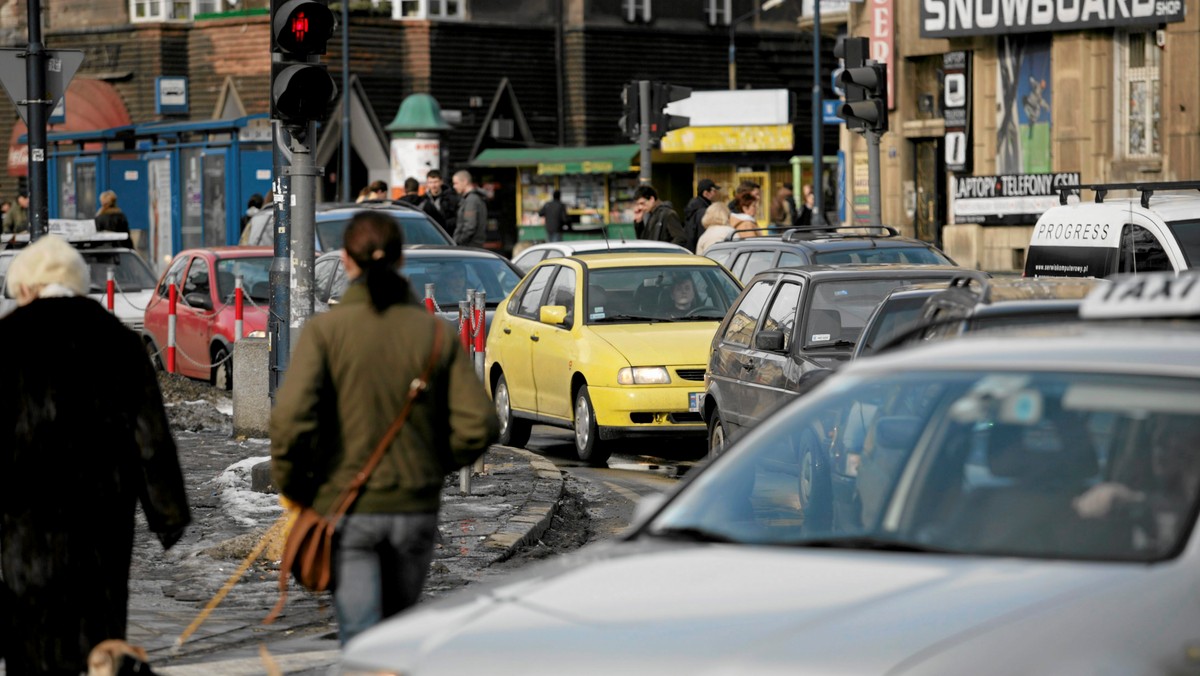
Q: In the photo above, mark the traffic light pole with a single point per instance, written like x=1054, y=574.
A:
x=279, y=347
x=303, y=176
x=873, y=181
x=644, y=130
x=818, y=122
x=36, y=108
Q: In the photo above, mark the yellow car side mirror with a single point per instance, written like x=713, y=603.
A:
x=555, y=315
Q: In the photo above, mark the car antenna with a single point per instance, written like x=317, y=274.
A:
x=604, y=231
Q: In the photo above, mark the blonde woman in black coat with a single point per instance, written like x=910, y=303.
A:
x=83, y=439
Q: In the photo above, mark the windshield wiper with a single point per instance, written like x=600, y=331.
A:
x=870, y=543
x=629, y=318
x=691, y=533
x=834, y=343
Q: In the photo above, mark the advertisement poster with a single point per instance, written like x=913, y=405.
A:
x=159, y=170
x=1012, y=199
x=1024, y=98
x=412, y=158
x=862, y=190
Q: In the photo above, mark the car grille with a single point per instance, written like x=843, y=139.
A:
x=690, y=374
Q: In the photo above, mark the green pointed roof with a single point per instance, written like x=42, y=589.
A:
x=419, y=112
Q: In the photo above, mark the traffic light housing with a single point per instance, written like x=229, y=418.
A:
x=301, y=87
x=661, y=122
x=869, y=112
x=630, y=121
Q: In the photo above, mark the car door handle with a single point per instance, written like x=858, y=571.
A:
x=507, y=330
x=534, y=338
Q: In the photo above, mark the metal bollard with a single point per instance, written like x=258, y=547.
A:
x=109, y=289
x=479, y=319
x=172, y=296
x=429, y=303
x=238, y=316
x=464, y=481
x=464, y=324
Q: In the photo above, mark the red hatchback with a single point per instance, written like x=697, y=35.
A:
x=204, y=281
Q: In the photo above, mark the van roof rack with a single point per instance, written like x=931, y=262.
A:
x=1146, y=189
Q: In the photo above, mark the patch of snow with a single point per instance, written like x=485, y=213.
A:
x=225, y=408
x=246, y=506
x=196, y=402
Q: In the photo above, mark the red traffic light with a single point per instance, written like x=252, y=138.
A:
x=301, y=27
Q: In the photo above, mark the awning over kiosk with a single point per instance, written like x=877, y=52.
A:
x=560, y=161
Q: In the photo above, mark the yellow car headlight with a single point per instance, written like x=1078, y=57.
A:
x=643, y=375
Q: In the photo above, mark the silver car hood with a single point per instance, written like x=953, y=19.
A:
x=726, y=609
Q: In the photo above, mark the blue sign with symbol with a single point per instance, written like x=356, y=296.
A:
x=829, y=112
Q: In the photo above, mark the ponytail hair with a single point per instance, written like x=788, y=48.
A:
x=374, y=242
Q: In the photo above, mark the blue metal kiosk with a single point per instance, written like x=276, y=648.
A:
x=180, y=184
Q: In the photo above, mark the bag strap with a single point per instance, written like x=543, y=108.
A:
x=351, y=492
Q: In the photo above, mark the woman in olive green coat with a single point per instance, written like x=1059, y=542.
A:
x=348, y=379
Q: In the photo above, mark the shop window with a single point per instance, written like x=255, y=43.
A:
x=430, y=9
x=718, y=12
x=1141, y=96
x=635, y=11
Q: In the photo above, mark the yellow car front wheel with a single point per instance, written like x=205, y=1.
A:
x=588, y=445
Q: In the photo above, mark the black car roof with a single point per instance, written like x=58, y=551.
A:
x=866, y=271
x=826, y=239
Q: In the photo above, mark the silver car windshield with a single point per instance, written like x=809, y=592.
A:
x=1046, y=465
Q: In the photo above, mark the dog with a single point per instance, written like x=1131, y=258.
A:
x=114, y=657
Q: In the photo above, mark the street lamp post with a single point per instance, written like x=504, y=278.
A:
x=768, y=5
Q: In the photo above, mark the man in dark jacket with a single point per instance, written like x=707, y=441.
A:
x=443, y=200
x=472, y=212
x=412, y=195
x=657, y=220
x=555, y=215
x=706, y=193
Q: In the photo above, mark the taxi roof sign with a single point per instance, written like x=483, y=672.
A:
x=1158, y=294
x=79, y=232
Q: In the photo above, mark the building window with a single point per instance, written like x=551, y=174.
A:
x=1141, y=98
x=429, y=9
x=636, y=11
x=163, y=10
x=718, y=12
x=146, y=10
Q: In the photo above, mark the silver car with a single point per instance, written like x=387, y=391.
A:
x=1019, y=503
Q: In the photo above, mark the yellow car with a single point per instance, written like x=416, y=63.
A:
x=608, y=344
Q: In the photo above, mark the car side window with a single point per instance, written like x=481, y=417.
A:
x=531, y=299
x=782, y=315
x=739, y=264
x=528, y=260
x=758, y=261
x=788, y=259
x=198, y=279
x=745, y=315
x=322, y=275
x=1142, y=252
x=721, y=256
x=563, y=293
x=174, y=274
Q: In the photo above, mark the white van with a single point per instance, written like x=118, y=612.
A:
x=1136, y=234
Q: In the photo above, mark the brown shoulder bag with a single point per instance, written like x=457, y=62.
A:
x=308, y=554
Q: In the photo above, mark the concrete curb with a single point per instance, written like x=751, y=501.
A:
x=535, y=515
